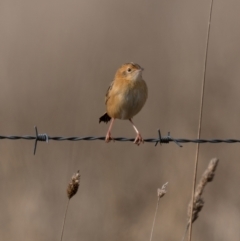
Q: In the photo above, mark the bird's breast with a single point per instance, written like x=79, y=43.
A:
x=127, y=100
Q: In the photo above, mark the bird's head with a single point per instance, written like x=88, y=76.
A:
x=130, y=71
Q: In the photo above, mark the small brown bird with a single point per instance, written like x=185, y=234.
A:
x=125, y=97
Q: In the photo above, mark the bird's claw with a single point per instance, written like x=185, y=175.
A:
x=138, y=140
x=108, y=138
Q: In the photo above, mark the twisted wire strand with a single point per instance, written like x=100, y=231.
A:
x=164, y=139
x=161, y=139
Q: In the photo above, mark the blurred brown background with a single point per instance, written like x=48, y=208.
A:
x=57, y=59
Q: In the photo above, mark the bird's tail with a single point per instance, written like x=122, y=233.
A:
x=105, y=118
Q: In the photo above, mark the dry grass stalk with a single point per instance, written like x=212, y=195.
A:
x=71, y=191
x=198, y=202
x=200, y=114
x=160, y=193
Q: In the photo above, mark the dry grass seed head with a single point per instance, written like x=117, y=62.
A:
x=198, y=202
x=162, y=191
x=73, y=185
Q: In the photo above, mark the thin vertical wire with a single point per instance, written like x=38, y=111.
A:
x=200, y=118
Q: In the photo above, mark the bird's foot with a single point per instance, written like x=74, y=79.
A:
x=138, y=139
x=108, y=138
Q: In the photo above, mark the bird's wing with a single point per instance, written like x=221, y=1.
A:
x=107, y=96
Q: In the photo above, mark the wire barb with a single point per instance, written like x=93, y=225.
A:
x=166, y=139
x=160, y=138
x=39, y=137
x=175, y=140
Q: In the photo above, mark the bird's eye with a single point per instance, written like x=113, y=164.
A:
x=129, y=70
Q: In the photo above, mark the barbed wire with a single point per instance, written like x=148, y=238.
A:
x=159, y=140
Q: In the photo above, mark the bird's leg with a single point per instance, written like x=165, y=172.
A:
x=108, y=135
x=138, y=139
